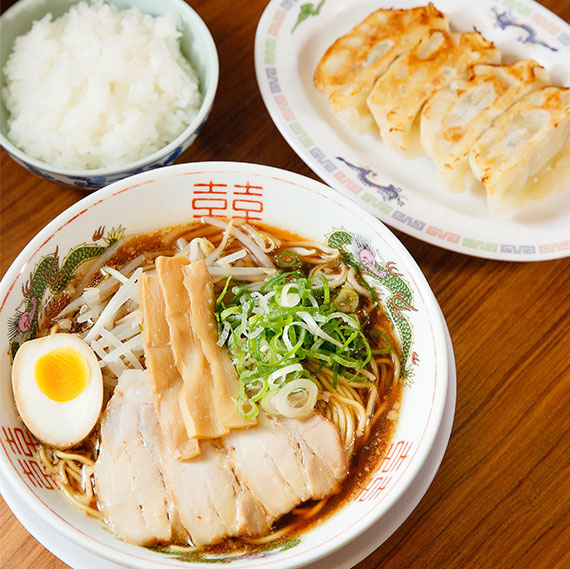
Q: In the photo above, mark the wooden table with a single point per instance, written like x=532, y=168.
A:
x=502, y=495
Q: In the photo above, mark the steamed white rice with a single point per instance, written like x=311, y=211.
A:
x=98, y=87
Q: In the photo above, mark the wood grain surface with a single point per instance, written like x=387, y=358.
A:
x=501, y=498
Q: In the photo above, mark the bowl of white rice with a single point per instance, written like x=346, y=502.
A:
x=95, y=91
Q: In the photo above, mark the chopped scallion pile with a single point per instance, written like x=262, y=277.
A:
x=271, y=333
x=288, y=260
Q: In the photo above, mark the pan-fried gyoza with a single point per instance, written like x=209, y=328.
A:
x=427, y=89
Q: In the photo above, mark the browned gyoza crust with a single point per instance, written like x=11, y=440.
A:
x=350, y=66
x=526, y=153
x=454, y=118
x=399, y=95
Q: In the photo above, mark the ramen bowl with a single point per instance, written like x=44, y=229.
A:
x=182, y=193
x=197, y=46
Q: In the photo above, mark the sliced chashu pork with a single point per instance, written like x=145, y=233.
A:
x=210, y=502
x=320, y=450
x=454, y=118
x=130, y=489
x=351, y=65
x=283, y=464
x=266, y=461
x=238, y=486
x=167, y=383
x=147, y=496
x=399, y=95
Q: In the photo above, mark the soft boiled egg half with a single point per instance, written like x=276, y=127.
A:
x=58, y=388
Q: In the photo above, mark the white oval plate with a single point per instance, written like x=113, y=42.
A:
x=292, y=37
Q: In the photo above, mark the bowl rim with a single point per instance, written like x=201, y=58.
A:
x=209, y=92
x=433, y=314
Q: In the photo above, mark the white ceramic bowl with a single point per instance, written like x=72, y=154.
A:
x=178, y=194
x=197, y=46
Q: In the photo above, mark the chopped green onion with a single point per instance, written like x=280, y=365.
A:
x=347, y=300
x=223, y=293
x=373, y=293
x=288, y=260
x=271, y=333
x=246, y=408
x=295, y=399
x=387, y=349
x=256, y=388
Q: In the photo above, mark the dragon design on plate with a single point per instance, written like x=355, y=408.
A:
x=506, y=20
x=358, y=252
x=363, y=175
x=307, y=10
x=265, y=550
x=49, y=277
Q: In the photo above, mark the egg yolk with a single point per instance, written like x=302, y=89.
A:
x=62, y=373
